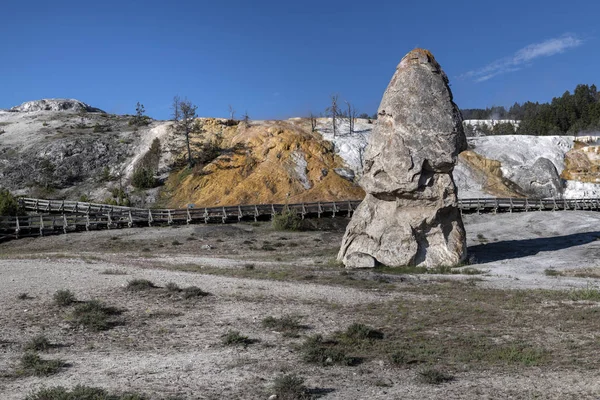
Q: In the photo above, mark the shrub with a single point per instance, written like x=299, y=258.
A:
x=235, y=338
x=80, y=393
x=24, y=296
x=288, y=324
x=316, y=350
x=143, y=178
x=173, y=287
x=434, y=376
x=38, y=343
x=105, y=176
x=64, y=298
x=8, y=203
x=288, y=220
x=33, y=364
x=140, y=284
x=94, y=315
x=290, y=387
x=194, y=291
x=357, y=332
x=209, y=152
x=113, y=271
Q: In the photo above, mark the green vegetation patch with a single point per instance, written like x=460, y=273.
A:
x=81, y=393
x=290, y=387
x=95, y=316
x=32, y=364
x=137, y=285
x=64, y=298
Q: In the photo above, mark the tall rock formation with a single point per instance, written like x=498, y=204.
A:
x=409, y=215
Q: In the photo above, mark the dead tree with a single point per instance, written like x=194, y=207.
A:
x=246, y=118
x=334, y=111
x=313, y=122
x=176, y=109
x=351, y=115
x=231, y=113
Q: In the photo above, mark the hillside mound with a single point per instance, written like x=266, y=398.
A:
x=262, y=162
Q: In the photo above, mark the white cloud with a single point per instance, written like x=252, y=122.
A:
x=524, y=56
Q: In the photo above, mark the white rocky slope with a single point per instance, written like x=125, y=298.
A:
x=61, y=147
x=533, y=163
x=72, y=105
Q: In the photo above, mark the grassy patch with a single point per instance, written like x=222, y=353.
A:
x=64, y=298
x=589, y=294
x=552, y=272
x=433, y=376
x=289, y=325
x=38, y=343
x=190, y=292
x=358, y=332
x=32, y=364
x=317, y=350
x=95, y=316
x=290, y=387
x=113, y=271
x=441, y=270
x=193, y=292
x=590, y=272
x=235, y=338
x=81, y=393
x=24, y=296
x=137, y=285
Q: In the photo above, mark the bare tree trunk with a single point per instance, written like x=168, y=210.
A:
x=313, y=122
x=333, y=110
x=189, y=150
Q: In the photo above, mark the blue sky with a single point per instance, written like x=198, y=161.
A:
x=277, y=59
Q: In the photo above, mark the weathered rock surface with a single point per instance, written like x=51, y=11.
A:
x=55, y=105
x=409, y=215
x=539, y=180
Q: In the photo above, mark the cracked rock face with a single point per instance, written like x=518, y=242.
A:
x=410, y=215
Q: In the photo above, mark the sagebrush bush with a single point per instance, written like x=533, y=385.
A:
x=289, y=325
x=33, y=364
x=94, y=315
x=316, y=350
x=172, y=287
x=193, y=292
x=140, y=284
x=288, y=220
x=235, y=338
x=434, y=376
x=290, y=387
x=38, y=343
x=64, y=297
x=80, y=392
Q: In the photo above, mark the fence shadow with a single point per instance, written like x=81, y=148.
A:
x=510, y=249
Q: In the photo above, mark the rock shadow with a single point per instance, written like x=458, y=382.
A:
x=510, y=249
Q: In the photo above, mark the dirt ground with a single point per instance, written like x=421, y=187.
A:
x=521, y=322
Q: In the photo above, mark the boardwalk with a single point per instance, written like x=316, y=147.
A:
x=58, y=216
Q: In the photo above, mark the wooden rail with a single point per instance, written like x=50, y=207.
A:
x=58, y=216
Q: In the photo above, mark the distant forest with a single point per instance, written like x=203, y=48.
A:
x=568, y=114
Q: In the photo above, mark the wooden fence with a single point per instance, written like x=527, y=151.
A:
x=58, y=216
